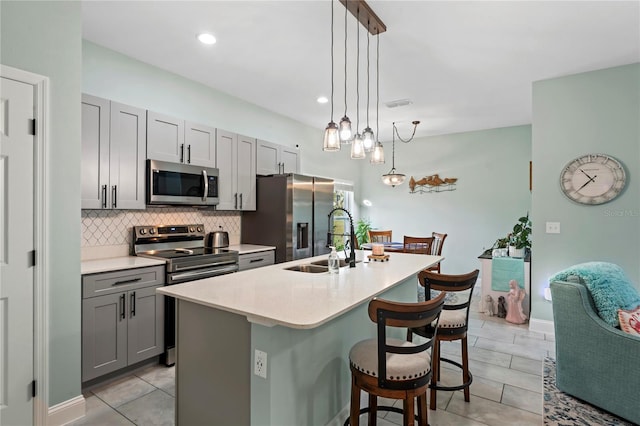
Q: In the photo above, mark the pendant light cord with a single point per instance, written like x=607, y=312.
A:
x=368, y=81
x=358, y=74
x=415, y=126
x=332, y=1
x=378, y=87
x=345, y=58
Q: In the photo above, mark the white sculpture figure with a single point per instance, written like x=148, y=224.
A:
x=489, y=309
x=514, y=302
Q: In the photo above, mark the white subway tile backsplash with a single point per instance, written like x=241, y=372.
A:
x=115, y=227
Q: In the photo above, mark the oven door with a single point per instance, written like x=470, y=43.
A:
x=181, y=184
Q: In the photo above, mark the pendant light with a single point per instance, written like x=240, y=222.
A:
x=345, y=124
x=331, y=136
x=368, y=139
x=377, y=156
x=357, y=148
x=393, y=178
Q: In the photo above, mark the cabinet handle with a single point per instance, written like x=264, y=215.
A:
x=240, y=201
x=256, y=260
x=235, y=203
x=182, y=153
x=122, y=306
x=206, y=185
x=280, y=168
x=114, y=196
x=104, y=196
x=189, y=154
x=132, y=280
x=133, y=304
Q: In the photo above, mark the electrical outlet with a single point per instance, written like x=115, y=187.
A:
x=553, y=227
x=260, y=364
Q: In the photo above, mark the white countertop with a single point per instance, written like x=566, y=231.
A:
x=274, y=296
x=117, y=263
x=250, y=248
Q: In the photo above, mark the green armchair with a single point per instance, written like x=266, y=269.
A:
x=595, y=362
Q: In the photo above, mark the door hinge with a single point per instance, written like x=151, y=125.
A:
x=33, y=389
x=32, y=258
x=33, y=127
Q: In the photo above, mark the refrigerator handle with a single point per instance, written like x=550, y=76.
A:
x=303, y=235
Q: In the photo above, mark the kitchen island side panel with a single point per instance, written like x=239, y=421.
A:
x=212, y=367
x=308, y=378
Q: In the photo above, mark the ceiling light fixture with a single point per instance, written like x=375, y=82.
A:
x=357, y=149
x=331, y=136
x=377, y=156
x=322, y=100
x=393, y=178
x=368, y=139
x=345, y=123
x=206, y=38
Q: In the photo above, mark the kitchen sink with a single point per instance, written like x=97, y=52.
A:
x=325, y=262
x=312, y=269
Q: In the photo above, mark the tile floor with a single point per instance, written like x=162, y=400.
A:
x=505, y=360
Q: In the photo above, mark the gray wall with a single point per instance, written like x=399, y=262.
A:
x=594, y=112
x=111, y=75
x=44, y=38
x=492, y=191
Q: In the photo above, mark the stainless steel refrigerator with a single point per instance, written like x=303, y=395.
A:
x=292, y=214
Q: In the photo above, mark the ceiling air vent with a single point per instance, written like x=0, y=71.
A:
x=398, y=103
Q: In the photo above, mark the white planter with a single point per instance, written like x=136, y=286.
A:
x=514, y=252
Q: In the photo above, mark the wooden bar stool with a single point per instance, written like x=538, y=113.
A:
x=394, y=368
x=453, y=324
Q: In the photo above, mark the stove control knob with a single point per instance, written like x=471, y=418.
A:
x=152, y=231
x=192, y=229
x=199, y=228
x=143, y=231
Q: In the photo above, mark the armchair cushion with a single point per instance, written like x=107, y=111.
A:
x=608, y=285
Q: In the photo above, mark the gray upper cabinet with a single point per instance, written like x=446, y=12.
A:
x=179, y=141
x=274, y=159
x=236, y=162
x=113, y=155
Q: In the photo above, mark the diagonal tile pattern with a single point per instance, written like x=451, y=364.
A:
x=505, y=360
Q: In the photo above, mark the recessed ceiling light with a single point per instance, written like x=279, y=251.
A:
x=206, y=38
x=322, y=100
x=367, y=203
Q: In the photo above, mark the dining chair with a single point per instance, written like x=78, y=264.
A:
x=394, y=368
x=418, y=245
x=380, y=236
x=453, y=324
x=436, y=249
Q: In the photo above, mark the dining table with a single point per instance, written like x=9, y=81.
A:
x=390, y=246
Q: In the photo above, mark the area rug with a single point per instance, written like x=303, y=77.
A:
x=561, y=409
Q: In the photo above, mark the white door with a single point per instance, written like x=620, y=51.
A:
x=16, y=244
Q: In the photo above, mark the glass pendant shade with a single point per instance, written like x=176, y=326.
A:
x=377, y=156
x=392, y=178
x=345, y=130
x=357, y=149
x=331, y=138
x=368, y=139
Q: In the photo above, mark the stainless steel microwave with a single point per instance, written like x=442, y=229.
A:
x=181, y=184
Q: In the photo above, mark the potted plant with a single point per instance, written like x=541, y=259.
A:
x=362, y=231
x=519, y=239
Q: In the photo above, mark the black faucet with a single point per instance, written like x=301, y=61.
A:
x=352, y=256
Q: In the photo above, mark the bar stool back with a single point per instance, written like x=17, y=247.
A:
x=394, y=368
x=453, y=324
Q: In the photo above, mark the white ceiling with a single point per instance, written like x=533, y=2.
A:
x=465, y=65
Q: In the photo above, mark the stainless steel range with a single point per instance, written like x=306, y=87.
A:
x=183, y=248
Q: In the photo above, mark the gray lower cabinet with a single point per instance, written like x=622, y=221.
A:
x=256, y=260
x=122, y=319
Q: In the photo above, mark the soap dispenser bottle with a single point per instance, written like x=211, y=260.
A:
x=333, y=261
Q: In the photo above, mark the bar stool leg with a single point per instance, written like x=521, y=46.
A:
x=373, y=410
x=409, y=412
x=465, y=367
x=355, y=403
x=422, y=410
x=435, y=375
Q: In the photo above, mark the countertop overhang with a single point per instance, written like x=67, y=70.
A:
x=272, y=295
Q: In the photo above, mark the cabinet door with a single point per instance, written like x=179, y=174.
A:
x=225, y=162
x=200, y=142
x=104, y=335
x=267, y=158
x=127, y=157
x=290, y=160
x=95, y=152
x=246, y=161
x=146, y=324
x=165, y=138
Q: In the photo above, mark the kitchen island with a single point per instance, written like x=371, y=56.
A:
x=305, y=323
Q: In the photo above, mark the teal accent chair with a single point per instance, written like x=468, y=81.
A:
x=595, y=362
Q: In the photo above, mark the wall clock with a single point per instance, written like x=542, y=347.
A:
x=593, y=179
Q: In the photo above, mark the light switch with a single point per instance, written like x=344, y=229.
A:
x=553, y=227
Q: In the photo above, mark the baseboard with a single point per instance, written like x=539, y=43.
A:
x=66, y=411
x=339, y=419
x=541, y=326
